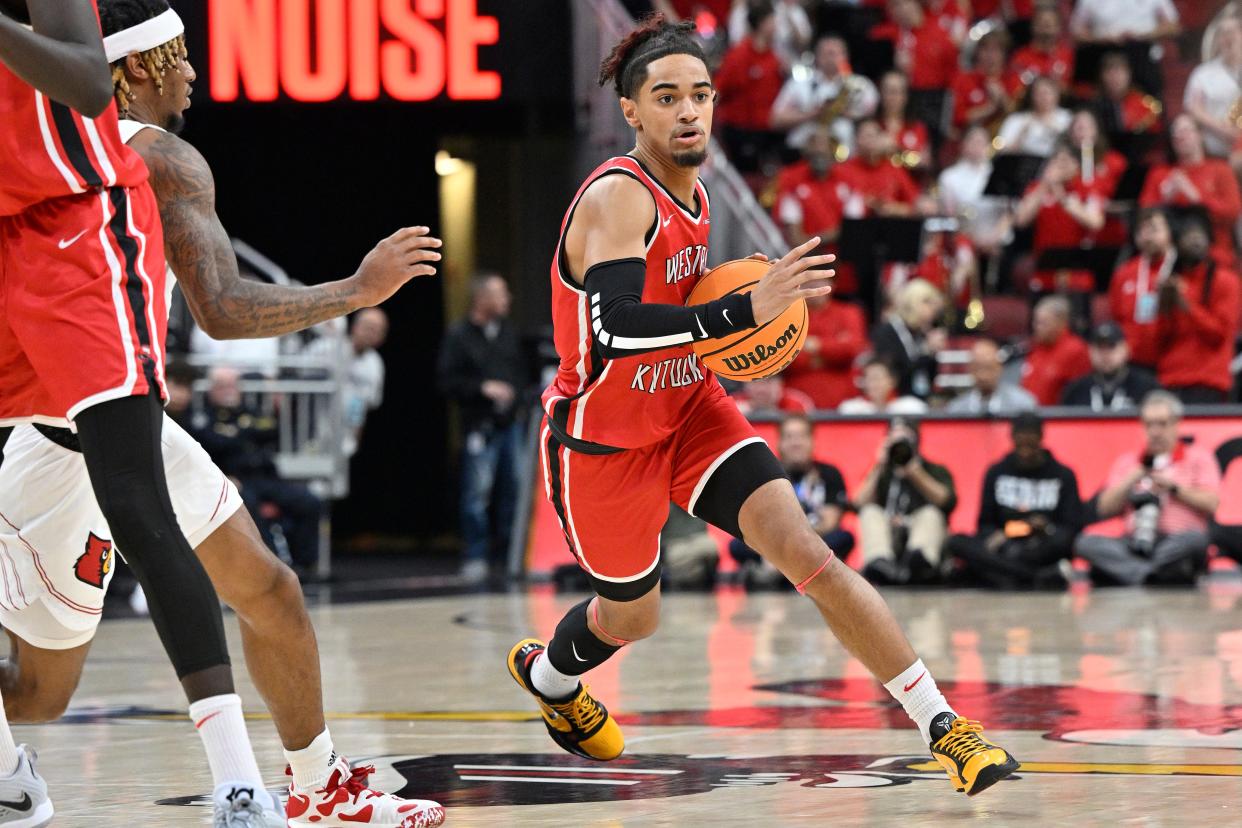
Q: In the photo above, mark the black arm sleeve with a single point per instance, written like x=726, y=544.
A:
x=624, y=325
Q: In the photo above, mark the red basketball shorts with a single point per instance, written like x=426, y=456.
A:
x=83, y=309
x=613, y=506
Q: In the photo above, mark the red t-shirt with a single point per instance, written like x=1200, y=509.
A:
x=1195, y=344
x=748, y=81
x=1218, y=193
x=910, y=136
x=817, y=199
x=1022, y=9
x=1056, y=228
x=1049, y=368
x=970, y=90
x=883, y=180
x=1132, y=304
x=1031, y=62
x=932, y=54
x=827, y=377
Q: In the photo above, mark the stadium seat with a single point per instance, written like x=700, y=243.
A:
x=1006, y=317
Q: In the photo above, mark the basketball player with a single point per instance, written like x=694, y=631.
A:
x=633, y=421
x=46, y=499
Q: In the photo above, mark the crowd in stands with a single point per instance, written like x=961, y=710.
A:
x=1020, y=172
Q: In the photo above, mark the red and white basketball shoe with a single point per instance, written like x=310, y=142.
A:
x=345, y=800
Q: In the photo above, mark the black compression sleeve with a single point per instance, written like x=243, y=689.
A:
x=624, y=325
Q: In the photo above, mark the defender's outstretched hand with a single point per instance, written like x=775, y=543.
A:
x=393, y=262
x=791, y=278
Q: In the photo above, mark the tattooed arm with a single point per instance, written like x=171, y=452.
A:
x=61, y=55
x=227, y=306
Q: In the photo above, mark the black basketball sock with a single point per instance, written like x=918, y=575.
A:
x=574, y=649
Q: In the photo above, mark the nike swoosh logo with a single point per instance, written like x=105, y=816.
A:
x=63, y=243
x=726, y=316
x=910, y=686
x=701, y=328
x=667, y=220
x=574, y=647
x=22, y=804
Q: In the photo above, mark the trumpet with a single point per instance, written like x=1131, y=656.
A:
x=852, y=94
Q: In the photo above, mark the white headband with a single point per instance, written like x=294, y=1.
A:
x=146, y=35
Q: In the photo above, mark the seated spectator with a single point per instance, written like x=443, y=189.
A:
x=876, y=185
x=908, y=138
x=990, y=395
x=821, y=491
x=1102, y=169
x=242, y=441
x=923, y=52
x=1116, y=21
x=836, y=336
x=829, y=94
x=911, y=337
x=1058, y=356
x=987, y=92
x=1028, y=518
x=1167, y=491
x=879, y=393
x=179, y=379
x=364, y=370
x=1122, y=110
x=984, y=218
x=768, y=397
x=793, y=27
x=1196, y=321
x=1134, y=293
x=1213, y=90
x=809, y=194
x=947, y=262
x=1066, y=212
x=1035, y=131
x=748, y=80
x=1196, y=180
x=904, y=504
x=1113, y=384
x=689, y=555
x=1050, y=54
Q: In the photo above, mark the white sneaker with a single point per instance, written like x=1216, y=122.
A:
x=474, y=572
x=24, y=802
x=244, y=805
x=346, y=801
x=138, y=601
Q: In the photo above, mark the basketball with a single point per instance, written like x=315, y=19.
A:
x=757, y=352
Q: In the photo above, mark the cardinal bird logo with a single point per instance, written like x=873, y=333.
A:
x=96, y=562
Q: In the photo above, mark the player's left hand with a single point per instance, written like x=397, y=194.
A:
x=758, y=257
x=405, y=254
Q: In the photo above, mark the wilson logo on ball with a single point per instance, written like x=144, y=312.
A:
x=762, y=354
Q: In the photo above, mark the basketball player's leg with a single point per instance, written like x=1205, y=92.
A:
x=37, y=682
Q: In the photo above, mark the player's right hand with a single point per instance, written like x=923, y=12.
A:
x=393, y=262
x=791, y=278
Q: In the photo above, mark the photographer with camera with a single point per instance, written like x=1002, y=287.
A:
x=1028, y=518
x=903, y=505
x=1168, y=492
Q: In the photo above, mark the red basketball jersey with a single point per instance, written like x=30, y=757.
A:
x=47, y=150
x=638, y=400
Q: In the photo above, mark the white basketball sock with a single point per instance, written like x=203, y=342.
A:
x=222, y=728
x=312, y=764
x=550, y=681
x=8, y=749
x=917, y=691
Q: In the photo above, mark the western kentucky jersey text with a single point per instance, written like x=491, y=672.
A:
x=596, y=404
x=48, y=151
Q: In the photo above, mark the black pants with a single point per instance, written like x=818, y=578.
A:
x=1199, y=394
x=1018, y=564
x=299, y=515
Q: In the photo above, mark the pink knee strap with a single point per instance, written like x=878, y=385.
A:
x=801, y=586
x=620, y=642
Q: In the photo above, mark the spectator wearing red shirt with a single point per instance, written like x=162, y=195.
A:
x=1049, y=54
x=1058, y=356
x=876, y=185
x=1008, y=10
x=1197, y=318
x=1195, y=179
x=907, y=137
x=922, y=50
x=989, y=91
x=1101, y=167
x=769, y=397
x=748, y=81
x=836, y=336
x=1133, y=293
x=809, y=194
x=952, y=16
x=1066, y=211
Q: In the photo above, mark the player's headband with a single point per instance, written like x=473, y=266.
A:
x=146, y=35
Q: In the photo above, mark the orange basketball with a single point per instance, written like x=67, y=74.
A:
x=758, y=352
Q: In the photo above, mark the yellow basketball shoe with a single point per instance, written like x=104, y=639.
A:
x=579, y=724
x=973, y=763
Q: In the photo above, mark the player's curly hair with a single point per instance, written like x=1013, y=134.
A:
x=655, y=37
x=118, y=15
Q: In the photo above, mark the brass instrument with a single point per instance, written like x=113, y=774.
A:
x=1154, y=110
x=1235, y=114
x=853, y=87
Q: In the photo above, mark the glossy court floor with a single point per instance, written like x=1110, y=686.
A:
x=1125, y=708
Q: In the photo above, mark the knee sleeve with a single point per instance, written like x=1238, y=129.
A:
x=121, y=444
x=574, y=649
